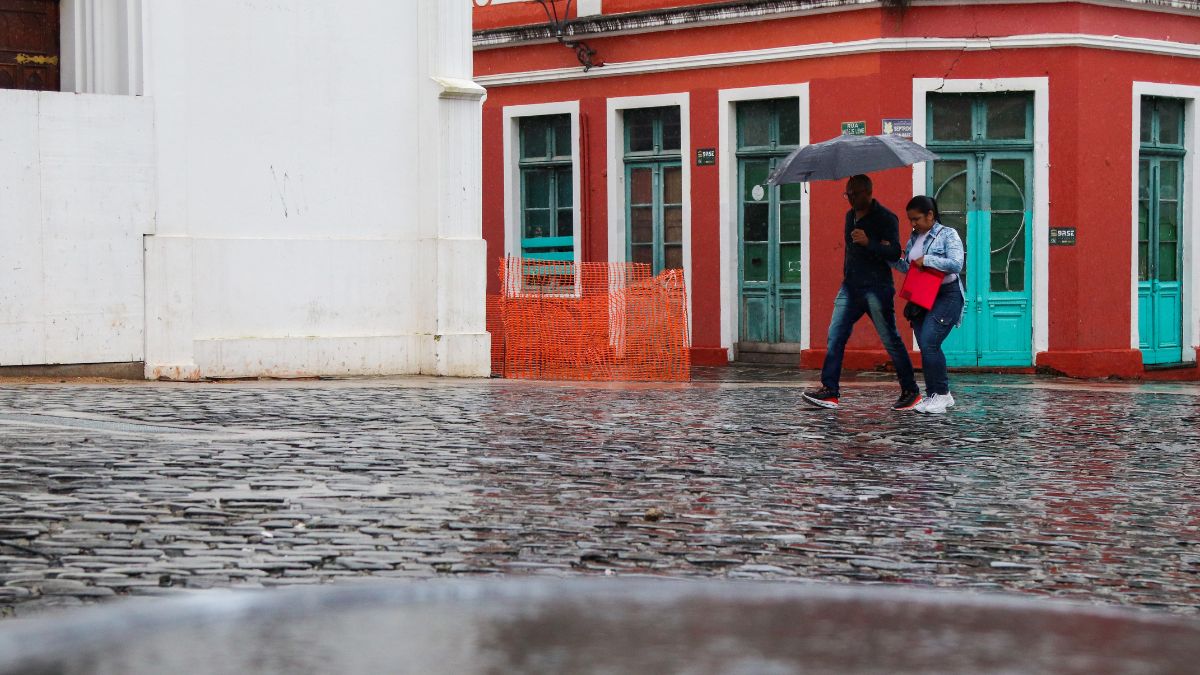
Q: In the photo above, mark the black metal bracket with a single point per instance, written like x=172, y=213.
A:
x=558, y=25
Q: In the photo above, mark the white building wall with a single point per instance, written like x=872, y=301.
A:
x=76, y=196
x=318, y=191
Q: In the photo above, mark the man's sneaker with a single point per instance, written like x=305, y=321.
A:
x=907, y=401
x=937, y=404
x=822, y=398
x=949, y=400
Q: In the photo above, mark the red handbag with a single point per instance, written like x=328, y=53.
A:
x=921, y=285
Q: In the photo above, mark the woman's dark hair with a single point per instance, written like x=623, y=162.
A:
x=924, y=204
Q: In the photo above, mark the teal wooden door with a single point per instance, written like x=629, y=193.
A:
x=769, y=224
x=1160, y=212
x=983, y=185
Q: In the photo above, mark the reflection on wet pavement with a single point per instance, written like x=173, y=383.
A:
x=1041, y=486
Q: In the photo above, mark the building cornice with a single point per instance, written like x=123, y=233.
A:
x=696, y=16
x=827, y=49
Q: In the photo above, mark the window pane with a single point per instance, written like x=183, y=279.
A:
x=951, y=118
x=1147, y=119
x=672, y=185
x=950, y=185
x=1170, y=121
x=641, y=225
x=754, y=124
x=537, y=223
x=755, y=222
x=639, y=127
x=566, y=223
x=670, y=129
x=1006, y=117
x=533, y=138
x=1143, y=262
x=959, y=222
x=789, y=222
x=537, y=188
x=641, y=186
x=673, y=257
x=755, y=175
x=1168, y=179
x=754, y=262
x=673, y=224
x=1143, y=220
x=1008, y=252
x=562, y=136
x=789, y=121
x=1168, y=220
x=1168, y=269
x=643, y=254
x=563, y=178
x=1008, y=185
x=790, y=192
x=789, y=263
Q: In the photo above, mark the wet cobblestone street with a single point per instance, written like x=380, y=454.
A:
x=1037, y=485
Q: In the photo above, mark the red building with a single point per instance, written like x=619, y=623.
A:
x=1066, y=130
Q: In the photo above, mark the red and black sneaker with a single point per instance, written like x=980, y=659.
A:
x=822, y=398
x=907, y=401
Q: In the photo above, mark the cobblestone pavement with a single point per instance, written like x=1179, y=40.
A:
x=1045, y=486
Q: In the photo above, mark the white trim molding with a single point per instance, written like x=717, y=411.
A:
x=1191, y=211
x=616, y=176
x=512, y=186
x=728, y=237
x=870, y=46
x=1040, y=86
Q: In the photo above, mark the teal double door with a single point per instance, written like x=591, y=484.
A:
x=770, y=246
x=983, y=185
x=1160, y=215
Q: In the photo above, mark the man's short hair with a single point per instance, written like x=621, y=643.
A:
x=862, y=180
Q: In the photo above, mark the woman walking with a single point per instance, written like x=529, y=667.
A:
x=937, y=247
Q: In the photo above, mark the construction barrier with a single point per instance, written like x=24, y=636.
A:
x=558, y=320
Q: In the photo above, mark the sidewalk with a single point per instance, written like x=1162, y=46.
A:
x=1037, y=485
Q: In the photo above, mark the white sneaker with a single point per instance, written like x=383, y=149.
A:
x=937, y=404
x=920, y=407
x=949, y=400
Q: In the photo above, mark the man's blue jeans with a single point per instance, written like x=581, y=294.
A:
x=850, y=305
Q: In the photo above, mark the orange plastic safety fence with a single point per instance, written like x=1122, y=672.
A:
x=589, y=321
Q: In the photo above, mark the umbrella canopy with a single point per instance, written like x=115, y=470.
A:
x=847, y=156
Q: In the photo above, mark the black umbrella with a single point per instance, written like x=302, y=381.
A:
x=847, y=156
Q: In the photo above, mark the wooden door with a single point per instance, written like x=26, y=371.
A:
x=29, y=45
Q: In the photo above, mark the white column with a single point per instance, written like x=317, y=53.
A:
x=451, y=212
x=102, y=46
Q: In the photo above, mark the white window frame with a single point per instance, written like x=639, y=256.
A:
x=727, y=166
x=1191, y=211
x=512, y=172
x=1040, y=87
x=617, y=227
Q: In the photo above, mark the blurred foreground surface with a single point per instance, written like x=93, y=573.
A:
x=599, y=626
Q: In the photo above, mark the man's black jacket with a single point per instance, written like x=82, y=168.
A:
x=868, y=265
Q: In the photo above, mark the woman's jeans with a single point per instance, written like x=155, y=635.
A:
x=878, y=302
x=931, y=331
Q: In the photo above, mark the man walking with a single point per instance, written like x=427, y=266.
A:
x=872, y=241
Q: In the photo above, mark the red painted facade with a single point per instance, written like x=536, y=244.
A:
x=1090, y=147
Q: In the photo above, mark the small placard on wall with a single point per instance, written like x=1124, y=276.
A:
x=898, y=127
x=706, y=156
x=854, y=128
x=1062, y=236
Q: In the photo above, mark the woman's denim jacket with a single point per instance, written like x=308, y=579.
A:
x=943, y=251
